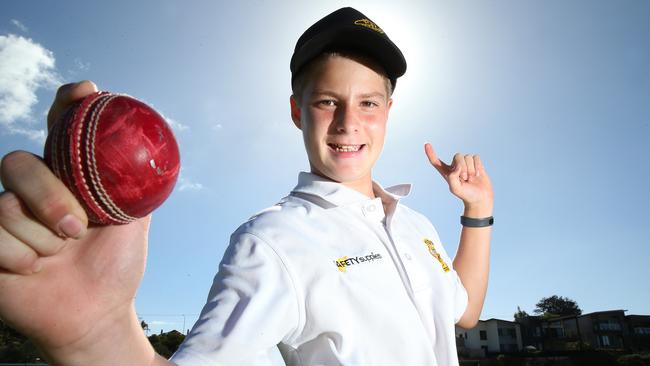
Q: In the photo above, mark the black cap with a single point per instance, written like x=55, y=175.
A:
x=348, y=29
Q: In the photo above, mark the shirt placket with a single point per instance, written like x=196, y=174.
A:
x=373, y=211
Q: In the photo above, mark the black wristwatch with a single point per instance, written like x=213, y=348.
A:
x=471, y=222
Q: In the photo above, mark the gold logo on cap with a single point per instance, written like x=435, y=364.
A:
x=368, y=24
x=436, y=255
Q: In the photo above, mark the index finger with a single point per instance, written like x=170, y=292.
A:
x=66, y=95
x=46, y=197
x=434, y=160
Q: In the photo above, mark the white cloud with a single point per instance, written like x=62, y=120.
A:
x=25, y=67
x=217, y=127
x=79, y=68
x=81, y=65
x=19, y=25
x=175, y=125
x=186, y=184
x=161, y=322
x=36, y=135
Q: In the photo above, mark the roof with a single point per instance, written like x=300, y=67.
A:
x=500, y=320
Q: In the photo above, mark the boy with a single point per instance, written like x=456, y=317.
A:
x=338, y=272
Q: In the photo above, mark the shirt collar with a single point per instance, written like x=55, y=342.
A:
x=339, y=195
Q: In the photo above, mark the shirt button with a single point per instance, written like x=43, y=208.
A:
x=370, y=208
x=407, y=256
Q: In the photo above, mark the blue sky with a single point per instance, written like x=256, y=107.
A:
x=554, y=95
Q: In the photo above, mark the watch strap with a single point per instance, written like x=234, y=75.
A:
x=472, y=222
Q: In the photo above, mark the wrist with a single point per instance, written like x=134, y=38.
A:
x=115, y=340
x=477, y=211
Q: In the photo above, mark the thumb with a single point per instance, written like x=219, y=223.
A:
x=441, y=167
x=66, y=96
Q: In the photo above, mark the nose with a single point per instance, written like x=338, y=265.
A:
x=346, y=120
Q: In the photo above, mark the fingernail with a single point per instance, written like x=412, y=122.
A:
x=71, y=226
x=37, y=267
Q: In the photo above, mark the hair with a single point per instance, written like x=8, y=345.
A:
x=307, y=72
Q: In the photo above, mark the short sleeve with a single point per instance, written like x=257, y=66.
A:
x=460, y=299
x=251, y=308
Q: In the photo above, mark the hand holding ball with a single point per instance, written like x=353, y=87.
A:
x=117, y=156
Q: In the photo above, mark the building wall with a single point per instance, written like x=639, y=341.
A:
x=639, y=332
x=587, y=331
x=494, y=338
x=509, y=336
x=609, y=329
x=473, y=337
x=531, y=332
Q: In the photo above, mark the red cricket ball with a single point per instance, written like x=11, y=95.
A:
x=117, y=156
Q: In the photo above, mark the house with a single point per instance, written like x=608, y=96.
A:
x=639, y=332
x=490, y=336
x=598, y=330
x=604, y=329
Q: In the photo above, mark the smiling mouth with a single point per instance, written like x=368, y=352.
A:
x=346, y=148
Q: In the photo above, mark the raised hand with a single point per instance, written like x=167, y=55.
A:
x=467, y=180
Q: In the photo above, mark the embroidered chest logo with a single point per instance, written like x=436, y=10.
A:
x=344, y=262
x=436, y=255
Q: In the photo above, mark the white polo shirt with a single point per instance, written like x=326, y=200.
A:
x=329, y=279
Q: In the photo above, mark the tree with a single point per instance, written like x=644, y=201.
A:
x=520, y=314
x=166, y=343
x=557, y=306
x=14, y=347
x=145, y=326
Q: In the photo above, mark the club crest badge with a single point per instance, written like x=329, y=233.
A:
x=436, y=255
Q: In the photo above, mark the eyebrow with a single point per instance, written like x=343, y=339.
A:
x=372, y=95
x=363, y=95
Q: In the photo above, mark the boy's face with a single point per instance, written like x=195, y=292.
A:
x=343, y=113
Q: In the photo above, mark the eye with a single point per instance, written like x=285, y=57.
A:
x=369, y=104
x=327, y=102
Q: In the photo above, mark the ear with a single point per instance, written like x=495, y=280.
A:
x=295, y=112
x=388, y=106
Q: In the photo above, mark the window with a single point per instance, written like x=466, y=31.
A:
x=642, y=330
x=604, y=340
x=609, y=324
x=483, y=335
x=507, y=332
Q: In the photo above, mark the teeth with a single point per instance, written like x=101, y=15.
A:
x=345, y=148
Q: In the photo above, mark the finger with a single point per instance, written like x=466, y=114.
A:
x=43, y=193
x=16, y=257
x=469, y=162
x=16, y=219
x=66, y=95
x=460, y=166
x=442, y=168
x=480, y=168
